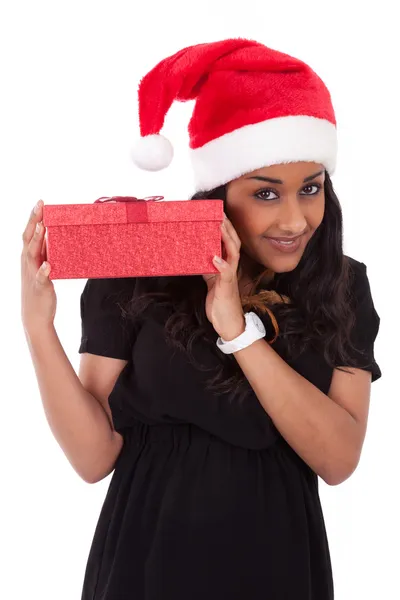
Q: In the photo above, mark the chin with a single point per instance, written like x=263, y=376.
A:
x=282, y=264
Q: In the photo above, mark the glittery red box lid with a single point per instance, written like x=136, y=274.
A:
x=132, y=238
x=139, y=211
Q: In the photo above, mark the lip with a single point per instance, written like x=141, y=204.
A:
x=287, y=249
x=285, y=239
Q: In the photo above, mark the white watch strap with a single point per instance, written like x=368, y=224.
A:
x=254, y=331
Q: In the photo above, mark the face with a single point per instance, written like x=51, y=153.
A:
x=285, y=200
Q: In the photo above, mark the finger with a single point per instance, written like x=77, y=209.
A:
x=232, y=232
x=210, y=280
x=43, y=253
x=34, y=218
x=227, y=272
x=34, y=247
x=208, y=276
x=232, y=250
x=42, y=275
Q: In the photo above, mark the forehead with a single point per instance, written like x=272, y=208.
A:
x=287, y=171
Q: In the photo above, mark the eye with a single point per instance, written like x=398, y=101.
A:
x=314, y=185
x=265, y=193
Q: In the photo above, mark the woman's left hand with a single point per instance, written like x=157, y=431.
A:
x=223, y=305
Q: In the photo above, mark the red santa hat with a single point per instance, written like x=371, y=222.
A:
x=254, y=107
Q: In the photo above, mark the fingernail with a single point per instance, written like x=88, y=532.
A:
x=44, y=266
x=37, y=227
x=37, y=207
x=218, y=260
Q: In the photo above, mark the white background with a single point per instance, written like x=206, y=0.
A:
x=68, y=118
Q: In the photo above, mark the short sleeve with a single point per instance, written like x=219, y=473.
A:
x=106, y=328
x=366, y=325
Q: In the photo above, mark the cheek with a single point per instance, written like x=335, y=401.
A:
x=253, y=223
x=316, y=213
x=246, y=224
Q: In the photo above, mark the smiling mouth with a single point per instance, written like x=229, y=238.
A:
x=285, y=239
x=286, y=246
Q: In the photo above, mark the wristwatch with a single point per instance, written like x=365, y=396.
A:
x=254, y=331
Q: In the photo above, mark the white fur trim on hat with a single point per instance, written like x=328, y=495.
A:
x=280, y=140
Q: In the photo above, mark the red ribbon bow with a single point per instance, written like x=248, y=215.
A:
x=129, y=199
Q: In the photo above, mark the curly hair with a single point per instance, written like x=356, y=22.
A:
x=310, y=305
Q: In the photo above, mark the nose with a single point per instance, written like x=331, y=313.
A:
x=292, y=220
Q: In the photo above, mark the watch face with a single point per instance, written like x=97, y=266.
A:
x=257, y=322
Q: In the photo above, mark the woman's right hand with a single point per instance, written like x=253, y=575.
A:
x=38, y=297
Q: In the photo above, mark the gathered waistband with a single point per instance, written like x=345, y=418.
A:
x=182, y=434
x=187, y=436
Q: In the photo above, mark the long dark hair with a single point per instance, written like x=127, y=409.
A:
x=310, y=305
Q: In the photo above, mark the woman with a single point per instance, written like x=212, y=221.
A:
x=225, y=396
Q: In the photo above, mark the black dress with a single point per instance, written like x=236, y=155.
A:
x=207, y=500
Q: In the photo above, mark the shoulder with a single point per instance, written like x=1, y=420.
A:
x=367, y=320
x=359, y=286
x=106, y=295
x=110, y=286
x=357, y=268
x=105, y=330
x=361, y=296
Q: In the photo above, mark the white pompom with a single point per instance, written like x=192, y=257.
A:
x=152, y=152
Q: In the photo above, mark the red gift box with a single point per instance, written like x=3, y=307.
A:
x=123, y=236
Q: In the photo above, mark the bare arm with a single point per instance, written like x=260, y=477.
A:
x=76, y=408
x=327, y=431
x=78, y=420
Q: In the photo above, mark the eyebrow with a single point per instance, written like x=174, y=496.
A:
x=271, y=180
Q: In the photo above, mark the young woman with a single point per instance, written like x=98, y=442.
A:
x=218, y=400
